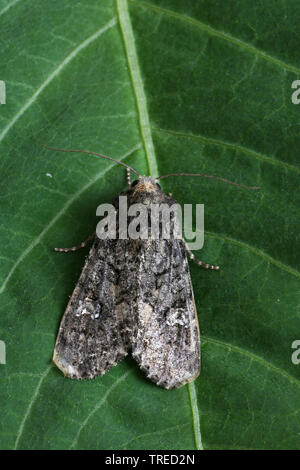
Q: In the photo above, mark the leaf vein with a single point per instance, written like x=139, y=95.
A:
x=11, y=4
x=231, y=146
x=219, y=34
x=30, y=405
x=159, y=431
x=252, y=356
x=58, y=215
x=262, y=254
x=98, y=405
x=58, y=69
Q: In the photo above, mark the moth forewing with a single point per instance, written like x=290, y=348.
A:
x=91, y=337
x=165, y=342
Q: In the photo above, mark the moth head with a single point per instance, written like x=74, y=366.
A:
x=145, y=184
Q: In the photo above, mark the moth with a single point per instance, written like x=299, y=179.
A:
x=134, y=295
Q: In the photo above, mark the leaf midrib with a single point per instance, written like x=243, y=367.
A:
x=191, y=387
x=137, y=85
x=144, y=122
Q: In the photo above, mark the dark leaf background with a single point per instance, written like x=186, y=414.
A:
x=166, y=86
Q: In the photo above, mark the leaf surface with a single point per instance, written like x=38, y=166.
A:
x=166, y=86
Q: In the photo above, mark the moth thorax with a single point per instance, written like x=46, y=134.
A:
x=145, y=184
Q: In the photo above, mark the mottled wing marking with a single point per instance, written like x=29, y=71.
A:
x=167, y=341
x=133, y=294
x=92, y=336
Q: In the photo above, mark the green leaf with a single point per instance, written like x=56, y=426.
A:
x=167, y=86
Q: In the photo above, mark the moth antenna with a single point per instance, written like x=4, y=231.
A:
x=210, y=176
x=92, y=153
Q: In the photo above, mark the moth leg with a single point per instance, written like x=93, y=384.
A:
x=200, y=263
x=128, y=176
x=77, y=247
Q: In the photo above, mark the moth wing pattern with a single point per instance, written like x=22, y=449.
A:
x=167, y=341
x=92, y=335
x=165, y=337
x=133, y=294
